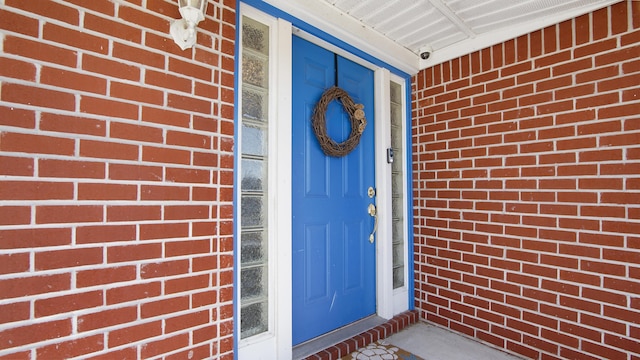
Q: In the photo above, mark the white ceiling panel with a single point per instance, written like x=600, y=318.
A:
x=398, y=31
x=443, y=25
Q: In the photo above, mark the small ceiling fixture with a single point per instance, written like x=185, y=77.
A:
x=184, y=30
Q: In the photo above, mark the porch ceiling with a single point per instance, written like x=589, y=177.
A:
x=446, y=28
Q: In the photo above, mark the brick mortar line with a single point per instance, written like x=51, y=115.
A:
x=559, y=319
x=117, y=5
x=532, y=60
x=140, y=105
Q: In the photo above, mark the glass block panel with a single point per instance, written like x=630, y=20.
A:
x=398, y=229
x=398, y=277
x=254, y=103
x=253, y=212
x=254, y=139
x=397, y=207
x=396, y=141
x=253, y=319
x=396, y=93
x=255, y=70
x=253, y=247
x=254, y=175
x=397, y=184
x=398, y=254
x=255, y=36
x=253, y=147
x=396, y=114
x=253, y=282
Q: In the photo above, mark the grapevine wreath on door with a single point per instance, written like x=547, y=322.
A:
x=319, y=122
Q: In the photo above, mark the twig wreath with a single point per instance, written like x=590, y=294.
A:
x=319, y=122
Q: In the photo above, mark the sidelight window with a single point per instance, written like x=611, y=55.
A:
x=254, y=161
x=397, y=185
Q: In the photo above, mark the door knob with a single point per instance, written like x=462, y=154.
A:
x=372, y=211
x=371, y=192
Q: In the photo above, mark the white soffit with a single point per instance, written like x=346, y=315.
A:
x=397, y=31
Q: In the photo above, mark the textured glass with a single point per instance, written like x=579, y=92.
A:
x=254, y=172
x=252, y=282
x=253, y=319
x=396, y=203
x=397, y=226
x=398, y=277
x=254, y=140
x=396, y=141
x=254, y=104
x=253, y=148
x=396, y=93
x=397, y=185
x=396, y=118
x=398, y=254
x=255, y=36
x=252, y=211
x=253, y=247
x=254, y=70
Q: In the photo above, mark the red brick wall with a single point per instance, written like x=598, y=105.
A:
x=527, y=190
x=116, y=181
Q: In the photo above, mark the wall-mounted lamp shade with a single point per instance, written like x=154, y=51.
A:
x=183, y=30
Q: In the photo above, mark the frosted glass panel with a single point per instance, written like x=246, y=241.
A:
x=254, y=104
x=396, y=139
x=396, y=203
x=253, y=247
x=254, y=70
x=255, y=36
x=396, y=93
x=254, y=172
x=254, y=140
x=398, y=254
x=396, y=182
x=396, y=114
x=397, y=185
x=253, y=319
x=398, y=277
x=397, y=225
x=254, y=177
x=253, y=212
x=252, y=282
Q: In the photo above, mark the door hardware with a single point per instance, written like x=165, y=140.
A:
x=373, y=212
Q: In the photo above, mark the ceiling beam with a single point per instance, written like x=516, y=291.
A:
x=444, y=9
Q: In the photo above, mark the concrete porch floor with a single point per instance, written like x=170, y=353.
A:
x=433, y=343
x=406, y=331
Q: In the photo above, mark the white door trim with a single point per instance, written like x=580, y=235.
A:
x=282, y=195
x=326, y=17
x=384, y=264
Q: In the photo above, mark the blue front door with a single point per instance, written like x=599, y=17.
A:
x=333, y=259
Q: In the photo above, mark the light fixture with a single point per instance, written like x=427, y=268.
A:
x=184, y=30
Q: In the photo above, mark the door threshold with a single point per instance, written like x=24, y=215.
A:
x=370, y=334
x=337, y=336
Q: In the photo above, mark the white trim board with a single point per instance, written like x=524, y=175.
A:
x=344, y=27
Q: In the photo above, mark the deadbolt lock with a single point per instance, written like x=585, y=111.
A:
x=371, y=192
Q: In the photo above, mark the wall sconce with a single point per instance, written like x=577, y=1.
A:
x=184, y=30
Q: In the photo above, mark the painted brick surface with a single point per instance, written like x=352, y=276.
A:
x=116, y=163
x=526, y=173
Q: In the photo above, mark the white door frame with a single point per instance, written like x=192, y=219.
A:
x=276, y=343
